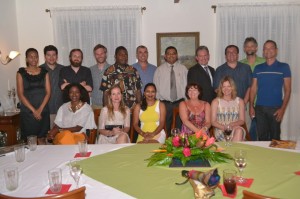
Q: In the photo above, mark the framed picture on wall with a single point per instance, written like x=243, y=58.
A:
x=185, y=43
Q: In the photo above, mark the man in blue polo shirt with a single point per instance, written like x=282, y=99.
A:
x=268, y=80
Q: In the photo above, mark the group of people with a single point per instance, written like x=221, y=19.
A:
x=57, y=101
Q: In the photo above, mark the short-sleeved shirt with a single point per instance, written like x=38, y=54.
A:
x=83, y=74
x=241, y=74
x=127, y=77
x=146, y=75
x=270, y=80
x=258, y=60
x=56, y=99
x=97, y=74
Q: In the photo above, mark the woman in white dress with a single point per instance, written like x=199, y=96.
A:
x=114, y=120
x=228, y=111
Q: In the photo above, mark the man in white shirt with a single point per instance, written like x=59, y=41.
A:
x=170, y=79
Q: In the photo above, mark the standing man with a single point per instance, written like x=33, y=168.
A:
x=76, y=73
x=126, y=76
x=203, y=74
x=250, y=49
x=145, y=69
x=170, y=79
x=268, y=81
x=100, y=53
x=53, y=68
x=239, y=72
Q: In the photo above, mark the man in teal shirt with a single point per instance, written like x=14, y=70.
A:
x=250, y=49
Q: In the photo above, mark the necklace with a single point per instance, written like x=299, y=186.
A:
x=76, y=107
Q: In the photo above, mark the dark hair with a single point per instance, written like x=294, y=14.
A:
x=202, y=48
x=232, y=46
x=250, y=39
x=84, y=95
x=140, y=46
x=195, y=85
x=144, y=104
x=50, y=48
x=100, y=46
x=119, y=48
x=74, y=50
x=31, y=50
x=271, y=41
x=170, y=47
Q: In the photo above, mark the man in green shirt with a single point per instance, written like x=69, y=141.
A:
x=250, y=49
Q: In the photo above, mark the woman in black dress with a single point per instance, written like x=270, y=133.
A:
x=33, y=87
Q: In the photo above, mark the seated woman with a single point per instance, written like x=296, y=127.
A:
x=114, y=120
x=194, y=113
x=228, y=111
x=152, y=115
x=73, y=118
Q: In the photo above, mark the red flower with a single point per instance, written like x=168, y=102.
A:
x=210, y=141
x=186, y=152
x=199, y=134
x=176, y=141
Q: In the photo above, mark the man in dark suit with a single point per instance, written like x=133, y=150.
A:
x=202, y=74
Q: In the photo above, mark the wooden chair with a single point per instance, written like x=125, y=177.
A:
x=251, y=195
x=96, y=115
x=92, y=136
x=74, y=194
x=175, y=113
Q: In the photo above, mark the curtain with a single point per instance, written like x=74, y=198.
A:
x=85, y=27
x=277, y=21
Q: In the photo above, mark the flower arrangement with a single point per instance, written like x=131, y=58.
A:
x=186, y=148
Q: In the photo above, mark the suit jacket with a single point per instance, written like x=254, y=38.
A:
x=197, y=74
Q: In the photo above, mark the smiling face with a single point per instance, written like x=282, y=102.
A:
x=232, y=55
x=32, y=59
x=100, y=55
x=193, y=92
x=142, y=54
x=121, y=57
x=116, y=96
x=76, y=59
x=202, y=57
x=51, y=57
x=74, y=94
x=270, y=50
x=150, y=93
x=226, y=88
x=171, y=56
x=250, y=48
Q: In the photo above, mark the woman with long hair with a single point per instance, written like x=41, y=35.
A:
x=228, y=111
x=73, y=118
x=151, y=113
x=194, y=112
x=114, y=120
x=33, y=88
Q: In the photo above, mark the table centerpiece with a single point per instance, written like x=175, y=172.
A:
x=186, y=148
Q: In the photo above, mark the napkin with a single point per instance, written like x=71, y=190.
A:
x=77, y=155
x=297, y=172
x=225, y=193
x=247, y=184
x=64, y=189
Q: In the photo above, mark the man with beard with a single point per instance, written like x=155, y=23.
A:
x=126, y=76
x=75, y=73
x=100, y=54
x=250, y=49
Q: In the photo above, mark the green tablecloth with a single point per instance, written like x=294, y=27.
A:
x=126, y=170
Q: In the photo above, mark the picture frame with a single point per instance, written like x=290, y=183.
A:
x=186, y=44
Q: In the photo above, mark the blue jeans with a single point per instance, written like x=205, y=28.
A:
x=267, y=126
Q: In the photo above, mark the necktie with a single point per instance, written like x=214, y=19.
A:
x=206, y=69
x=173, y=91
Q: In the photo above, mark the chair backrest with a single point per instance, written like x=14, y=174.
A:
x=175, y=114
x=92, y=136
x=251, y=195
x=74, y=194
x=96, y=115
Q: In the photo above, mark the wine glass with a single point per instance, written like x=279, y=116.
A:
x=75, y=171
x=240, y=163
x=175, y=132
x=227, y=135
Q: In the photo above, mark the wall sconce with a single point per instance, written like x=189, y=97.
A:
x=11, y=56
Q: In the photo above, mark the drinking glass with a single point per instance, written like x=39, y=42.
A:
x=55, y=181
x=240, y=163
x=229, y=182
x=19, y=153
x=175, y=132
x=83, y=148
x=32, y=142
x=227, y=135
x=11, y=176
x=75, y=170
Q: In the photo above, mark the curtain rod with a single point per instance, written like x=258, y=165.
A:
x=142, y=10
x=214, y=7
